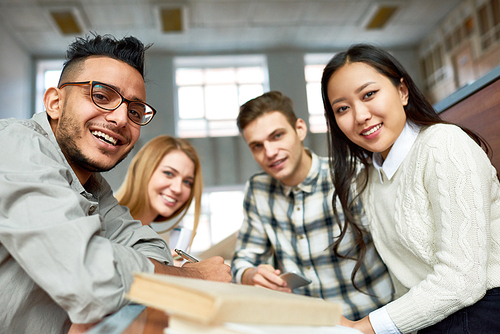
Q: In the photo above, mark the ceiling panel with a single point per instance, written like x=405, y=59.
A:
x=276, y=13
x=26, y=18
x=227, y=25
x=334, y=13
x=220, y=13
x=124, y=16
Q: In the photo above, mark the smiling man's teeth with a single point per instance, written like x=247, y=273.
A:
x=372, y=130
x=277, y=162
x=105, y=137
x=168, y=199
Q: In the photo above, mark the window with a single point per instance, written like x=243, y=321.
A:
x=461, y=32
x=489, y=22
x=47, y=75
x=314, y=65
x=221, y=216
x=211, y=89
x=433, y=69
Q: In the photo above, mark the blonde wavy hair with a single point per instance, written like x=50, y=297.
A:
x=133, y=193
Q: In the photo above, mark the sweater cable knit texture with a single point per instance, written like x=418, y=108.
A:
x=436, y=225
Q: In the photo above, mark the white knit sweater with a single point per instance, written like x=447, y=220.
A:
x=436, y=225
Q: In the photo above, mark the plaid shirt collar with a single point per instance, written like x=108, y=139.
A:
x=311, y=180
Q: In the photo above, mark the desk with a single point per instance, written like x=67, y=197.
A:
x=138, y=319
x=133, y=319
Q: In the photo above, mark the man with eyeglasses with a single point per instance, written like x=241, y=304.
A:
x=67, y=249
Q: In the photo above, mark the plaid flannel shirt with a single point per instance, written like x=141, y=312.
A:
x=296, y=227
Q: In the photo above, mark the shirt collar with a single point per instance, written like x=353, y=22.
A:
x=398, y=152
x=310, y=180
x=93, y=184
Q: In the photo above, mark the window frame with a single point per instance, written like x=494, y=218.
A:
x=215, y=62
x=314, y=59
x=42, y=67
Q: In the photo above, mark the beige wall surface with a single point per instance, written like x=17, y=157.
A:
x=15, y=78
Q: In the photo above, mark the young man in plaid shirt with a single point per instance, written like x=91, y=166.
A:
x=289, y=223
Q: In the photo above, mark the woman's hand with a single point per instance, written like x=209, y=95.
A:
x=362, y=325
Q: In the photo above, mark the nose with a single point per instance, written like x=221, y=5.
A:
x=119, y=116
x=270, y=149
x=362, y=114
x=176, y=185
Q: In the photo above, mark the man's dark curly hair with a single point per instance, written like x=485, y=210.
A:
x=129, y=50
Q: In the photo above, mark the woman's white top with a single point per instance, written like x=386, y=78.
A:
x=434, y=213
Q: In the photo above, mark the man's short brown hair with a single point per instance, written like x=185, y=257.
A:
x=267, y=102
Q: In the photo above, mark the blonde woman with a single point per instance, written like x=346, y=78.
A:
x=162, y=180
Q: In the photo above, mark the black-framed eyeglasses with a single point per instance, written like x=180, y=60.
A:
x=107, y=98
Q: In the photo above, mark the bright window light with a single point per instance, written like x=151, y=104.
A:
x=211, y=89
x=222, y=215
x=313, y=70
x=47, y=75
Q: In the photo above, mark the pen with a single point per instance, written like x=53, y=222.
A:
x=185, y=255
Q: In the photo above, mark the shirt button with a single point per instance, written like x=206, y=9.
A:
x=92, y=209
x=298, y=208
x=301, y=237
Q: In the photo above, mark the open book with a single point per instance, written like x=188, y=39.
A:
x=182, y=326
x=209, y=302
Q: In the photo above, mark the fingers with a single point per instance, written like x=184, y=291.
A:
x=266, y=276
x=213, y=269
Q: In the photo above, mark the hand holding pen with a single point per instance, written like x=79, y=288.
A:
x=213, y=269
x=186, y=256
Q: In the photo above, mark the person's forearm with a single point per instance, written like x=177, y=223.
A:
x=164, y=269
x=213, y=269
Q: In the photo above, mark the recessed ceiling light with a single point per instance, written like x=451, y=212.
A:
x=381, y=16
x=66, y=22
x=171, y=19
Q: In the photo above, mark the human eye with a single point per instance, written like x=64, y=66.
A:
x=341, y=109
x=103, y=95
x=256, y=147
x=370, y=94
x=278, y=135
x=189, y=183
x=136, y=111
x=168, y=173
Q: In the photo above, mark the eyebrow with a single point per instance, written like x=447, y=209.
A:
x=175, y=170
x=269, y=135
x=357, y=91
x=134, y=98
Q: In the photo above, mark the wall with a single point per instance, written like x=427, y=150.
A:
x=227, y=161
x=482, y=97
x=15, y=78
x=453, y=55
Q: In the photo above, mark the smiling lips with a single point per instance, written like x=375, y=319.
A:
x=277, y=163
x=371, y=130
x=106, y=138
x=168, y=199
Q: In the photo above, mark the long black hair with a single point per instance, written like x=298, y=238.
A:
x=345, y=155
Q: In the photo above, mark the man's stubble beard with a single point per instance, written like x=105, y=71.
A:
x=68, y=131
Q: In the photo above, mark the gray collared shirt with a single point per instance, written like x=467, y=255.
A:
x=67, y=252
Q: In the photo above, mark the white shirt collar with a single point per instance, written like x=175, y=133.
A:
x=398, y=152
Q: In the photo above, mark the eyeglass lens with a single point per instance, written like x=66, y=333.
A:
x=109, y=99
